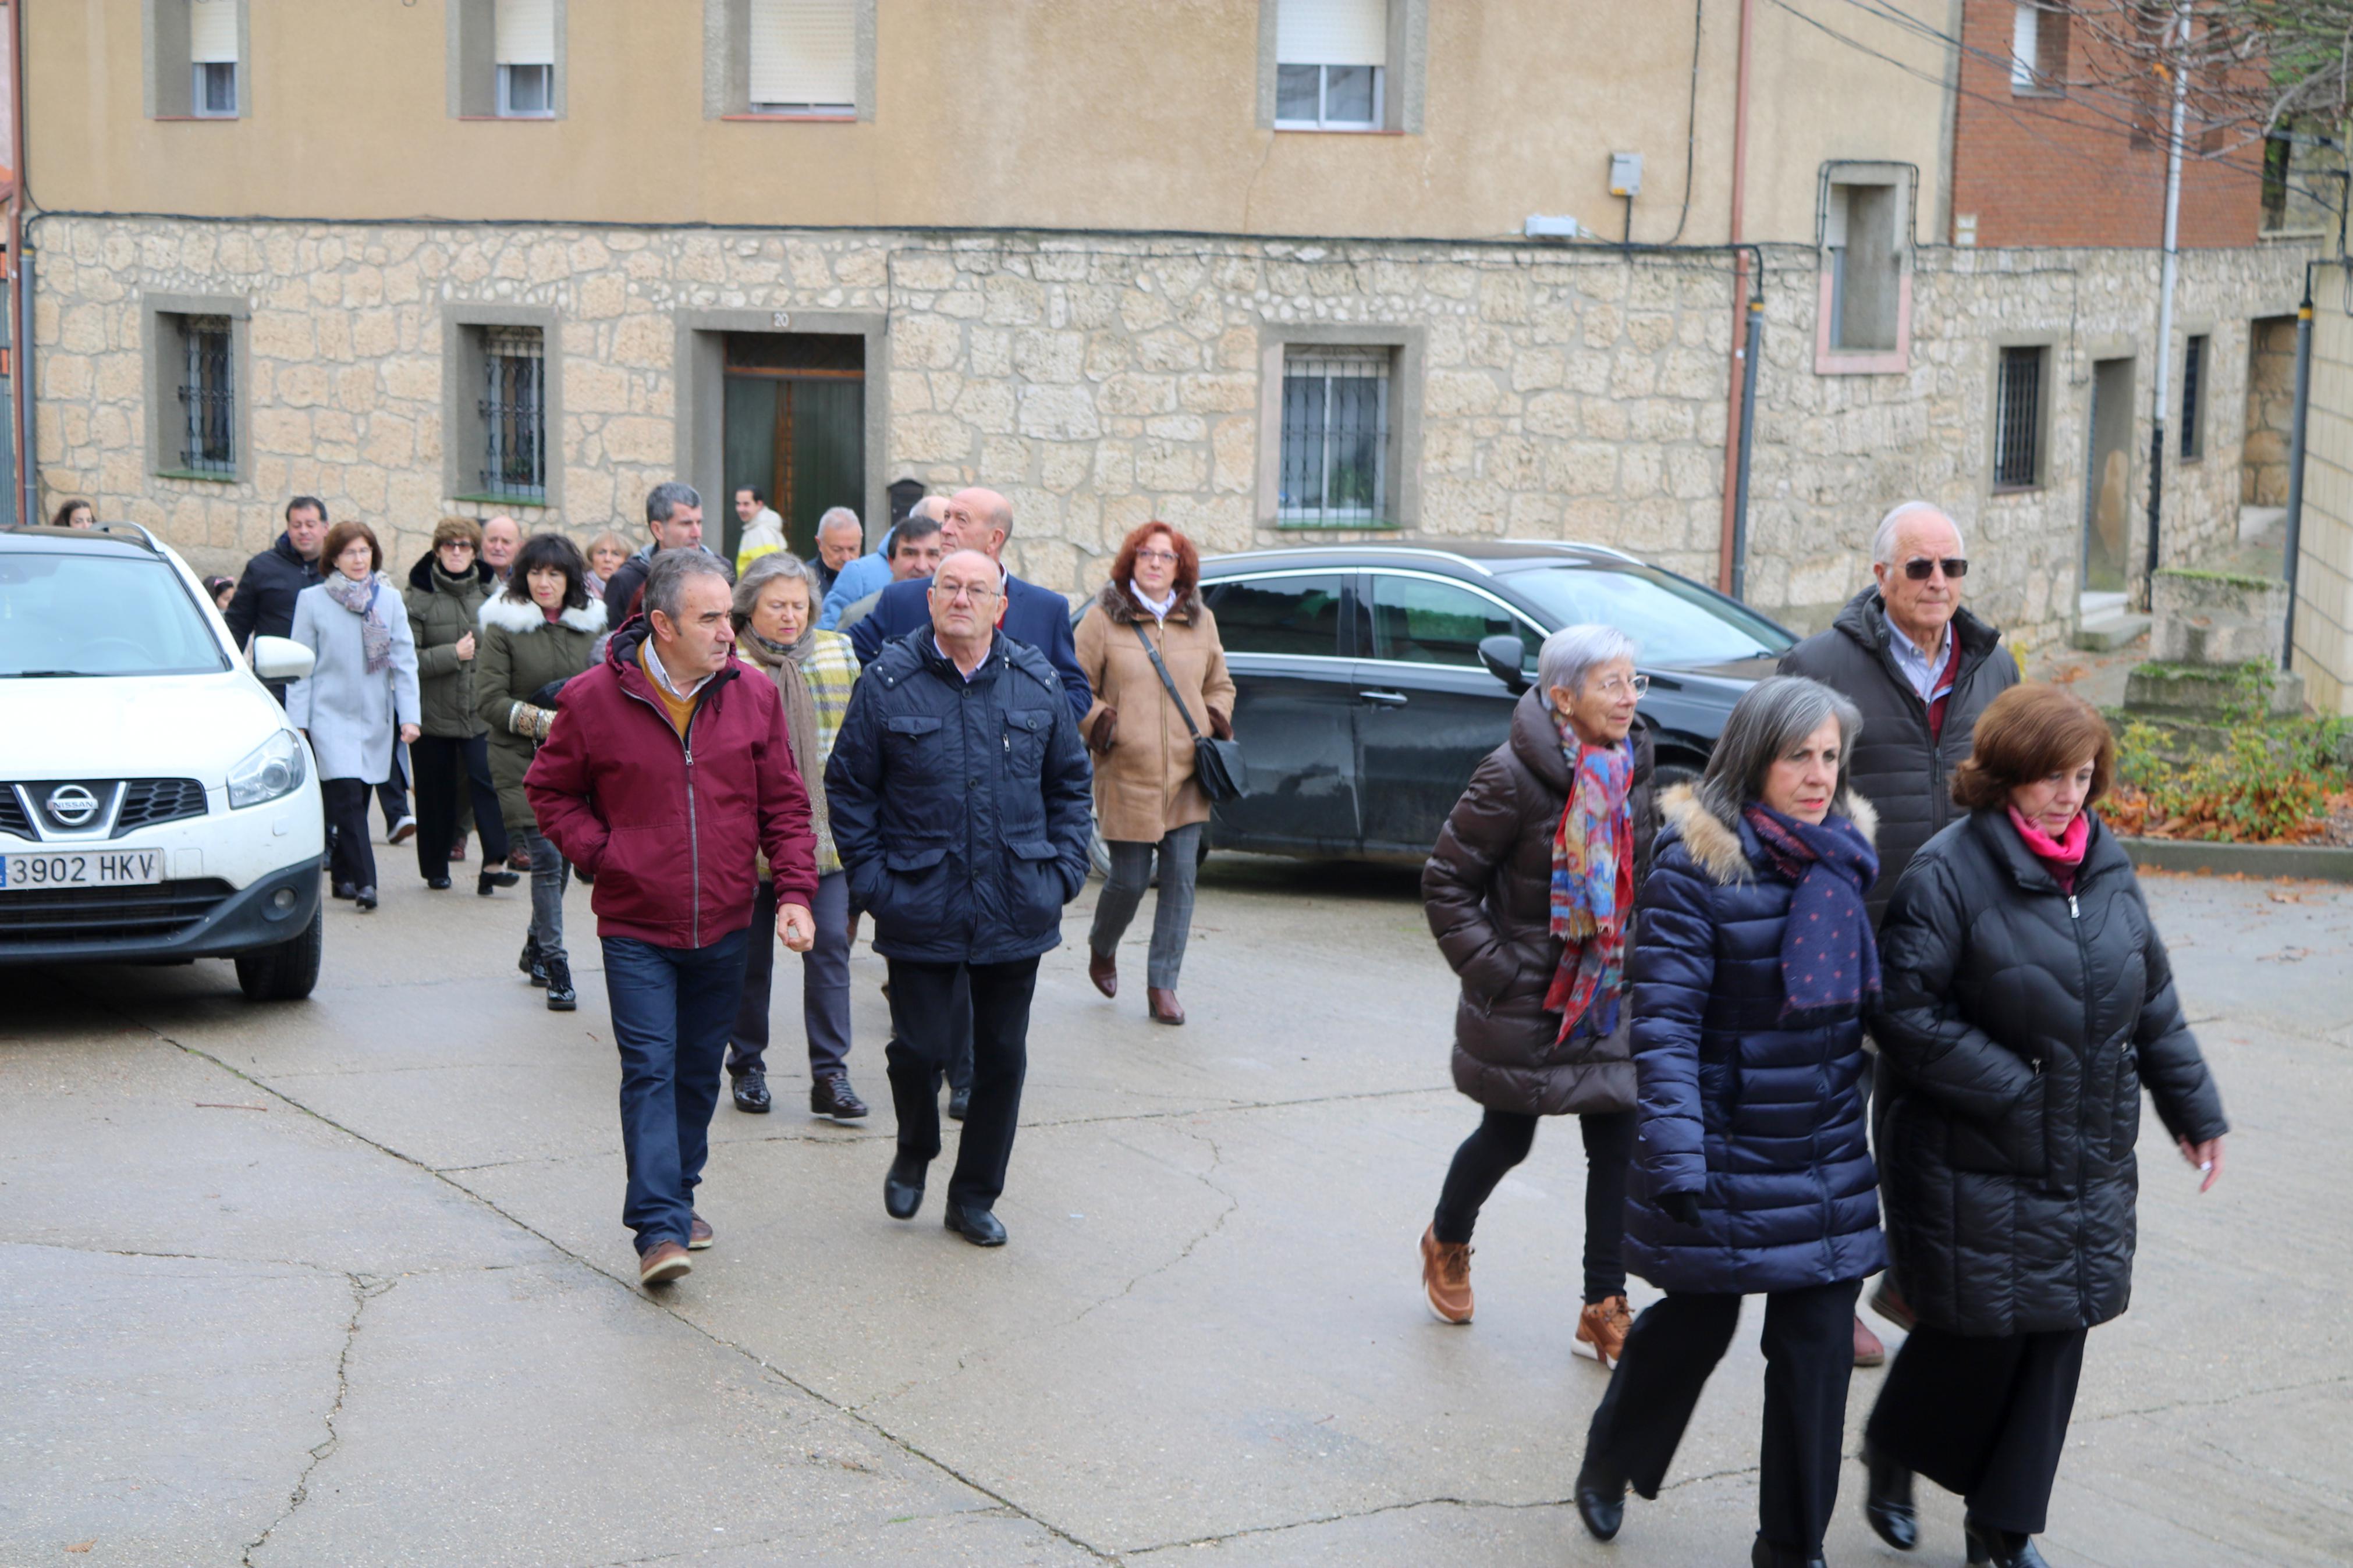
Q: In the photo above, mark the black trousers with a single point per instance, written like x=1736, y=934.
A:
x=1984, y=1416
x=922, y=1017
x=1808, y=1356
x=1502, y=1141
x=351, y=857
x=448, y=770
x=392, y=794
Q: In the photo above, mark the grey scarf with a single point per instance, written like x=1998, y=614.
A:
x=359, y=598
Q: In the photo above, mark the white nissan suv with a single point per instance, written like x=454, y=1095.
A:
x=156, y=806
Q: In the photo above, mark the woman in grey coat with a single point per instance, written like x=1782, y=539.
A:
x=360, y=699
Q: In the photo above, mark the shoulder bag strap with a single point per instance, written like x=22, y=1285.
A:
x=1153, y=654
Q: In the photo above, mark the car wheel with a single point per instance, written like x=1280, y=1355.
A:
x=288, y=972
x=1666, y=775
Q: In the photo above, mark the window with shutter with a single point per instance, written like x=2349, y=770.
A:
x=213, y=58
x=1331, y=57
x=524, y=47
x=803, y=57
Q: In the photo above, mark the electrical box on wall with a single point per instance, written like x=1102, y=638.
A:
x=1625, y=173
x=1541, y=227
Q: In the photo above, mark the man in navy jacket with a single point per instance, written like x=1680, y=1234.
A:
x=982, y=520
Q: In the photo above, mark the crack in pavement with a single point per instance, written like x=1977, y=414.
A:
x=365, y=1288
x=904, y=1445
x=2215, y=1401
x=1233, y=1204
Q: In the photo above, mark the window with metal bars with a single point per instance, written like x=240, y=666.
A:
x=207, y=398
x=1335, y=436
x=2018, y=419
x=2193, y=399
x=514, y=413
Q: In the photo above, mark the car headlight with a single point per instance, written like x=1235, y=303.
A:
x=274, y=768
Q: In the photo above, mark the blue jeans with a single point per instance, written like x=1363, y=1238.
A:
x=672, y=1007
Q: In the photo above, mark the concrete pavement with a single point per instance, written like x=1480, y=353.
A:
x=343, y=1282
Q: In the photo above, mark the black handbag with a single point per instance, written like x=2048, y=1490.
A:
x=1217, y=765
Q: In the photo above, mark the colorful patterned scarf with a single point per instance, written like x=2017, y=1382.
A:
x=1829, y=960
x=1592, y=884
x=359, y=598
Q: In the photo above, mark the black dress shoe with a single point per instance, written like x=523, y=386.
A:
x=439, y=884
x=1887, y=1505
x=902, y=1189
x=1600, y=1495
x=959, y=1101
x=978, y=1227
x=560, y=998
x=832, y=1096
x=365, y=899
x=752, y=1092
x=1764, y=1554
x=1992, y=1548
x=345, y=890
x=491, y=879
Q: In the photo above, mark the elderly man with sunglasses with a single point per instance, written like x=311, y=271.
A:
x=1921, y=668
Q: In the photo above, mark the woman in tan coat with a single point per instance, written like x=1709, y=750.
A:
x=1146, y=799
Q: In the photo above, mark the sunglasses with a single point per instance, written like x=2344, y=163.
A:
x=1919, y=567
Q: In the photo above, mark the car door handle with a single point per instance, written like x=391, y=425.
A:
x=1385, y=698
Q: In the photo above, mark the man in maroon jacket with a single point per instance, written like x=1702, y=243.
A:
x=662, y=775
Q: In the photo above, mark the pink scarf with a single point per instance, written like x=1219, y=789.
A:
x=2062, y=855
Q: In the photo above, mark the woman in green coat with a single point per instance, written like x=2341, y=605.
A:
x=538, y=633
x=449, y=759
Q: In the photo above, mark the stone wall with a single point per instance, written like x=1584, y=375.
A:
x=2271, y=413
x=1099, y=381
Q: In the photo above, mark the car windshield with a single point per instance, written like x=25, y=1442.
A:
x=1675, y=622
x=91, y=613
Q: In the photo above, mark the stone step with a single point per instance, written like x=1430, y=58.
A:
x=2105, y=633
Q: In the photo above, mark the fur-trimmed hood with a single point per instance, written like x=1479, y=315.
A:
x=1714, y=845
x=497, y=610
x=1121, y=606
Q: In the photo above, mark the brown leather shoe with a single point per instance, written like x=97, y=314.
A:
x=698, y=1234
x=1102, y=968
x=1166, y=1008
x=1868, y=1351
x=1446, y=1276
x=1601, y=1330
x=663, y=1264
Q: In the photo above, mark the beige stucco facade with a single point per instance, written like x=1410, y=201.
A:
x=1066, y=114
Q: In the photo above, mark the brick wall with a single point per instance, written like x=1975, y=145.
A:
x=2083, y=169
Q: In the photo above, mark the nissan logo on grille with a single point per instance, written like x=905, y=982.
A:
x=71, y=806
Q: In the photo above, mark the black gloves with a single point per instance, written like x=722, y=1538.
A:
x=1680, y=1207
x=546, y=696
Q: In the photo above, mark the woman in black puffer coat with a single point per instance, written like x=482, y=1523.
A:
x=1752, y=973
x=1488, y=891
x=2027, y=1000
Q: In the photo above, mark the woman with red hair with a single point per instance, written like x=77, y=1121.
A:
x=1148, y=618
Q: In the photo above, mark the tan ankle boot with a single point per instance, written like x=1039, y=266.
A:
x=1446, y=1276
x=1601, y=1330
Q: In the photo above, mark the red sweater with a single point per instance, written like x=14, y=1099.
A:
x=670, y=825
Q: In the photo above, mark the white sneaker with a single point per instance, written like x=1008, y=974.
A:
x=404, y=830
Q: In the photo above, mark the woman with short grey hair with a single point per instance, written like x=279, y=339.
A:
x=1754, y=971
x=1528, y=892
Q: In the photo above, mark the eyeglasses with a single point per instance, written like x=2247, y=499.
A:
x=976, y=592
x=1169, y=556
x=1919, y=567
x=1619, y=684
x=455, y=545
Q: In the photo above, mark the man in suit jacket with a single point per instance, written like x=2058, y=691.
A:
x=982, y=520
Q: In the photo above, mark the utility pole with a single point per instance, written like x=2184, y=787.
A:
x=2170, y=268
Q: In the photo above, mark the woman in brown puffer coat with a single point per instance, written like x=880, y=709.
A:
x=1146, y=799
x=1529, y=893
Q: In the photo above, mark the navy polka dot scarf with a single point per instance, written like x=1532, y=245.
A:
x=1830, y=962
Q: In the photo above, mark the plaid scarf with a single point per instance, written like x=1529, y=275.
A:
x=1592, y=884
x=359, y=598
x=1830, y=962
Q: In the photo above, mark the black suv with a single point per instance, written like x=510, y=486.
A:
x=1372, y=678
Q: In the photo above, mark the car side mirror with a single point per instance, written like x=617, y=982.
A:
x=281, y=658
x=1501, y=654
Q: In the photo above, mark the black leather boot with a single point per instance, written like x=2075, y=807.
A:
x=1888, y=1504
x=1764, y=1554
x=1992, y=1548
x=1600, y=1495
